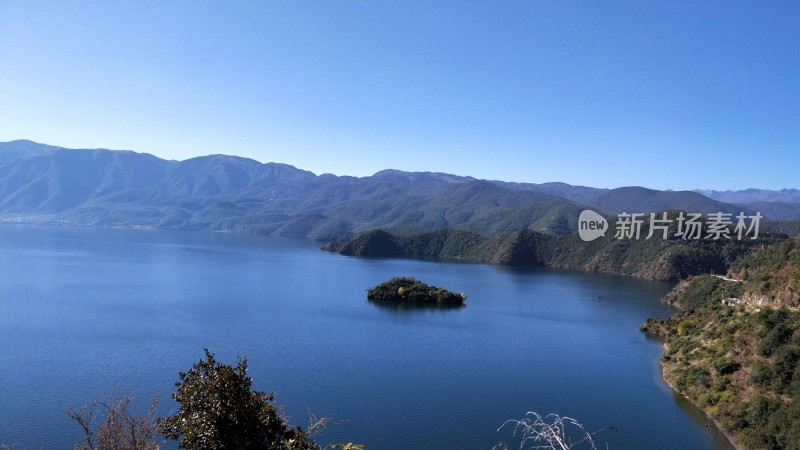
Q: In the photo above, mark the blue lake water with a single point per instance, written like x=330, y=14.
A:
x=90, y=312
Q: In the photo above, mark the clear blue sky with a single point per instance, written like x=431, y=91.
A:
x=662, y=94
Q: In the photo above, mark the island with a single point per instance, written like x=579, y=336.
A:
x=409, y=290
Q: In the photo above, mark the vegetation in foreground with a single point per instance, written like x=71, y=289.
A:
x=734, y=349
x=551, y=432
x=408, y=289
x=219, y=410
x=119, y=427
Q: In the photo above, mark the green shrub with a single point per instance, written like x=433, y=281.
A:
x=784, y=367
x=776, y=337
x=685, y=326
x=760, y=373
x=725, y=366
x=219, y=411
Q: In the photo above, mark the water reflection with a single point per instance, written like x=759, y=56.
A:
x=414, y=306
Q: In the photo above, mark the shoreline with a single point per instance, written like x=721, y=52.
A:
x=731, y=441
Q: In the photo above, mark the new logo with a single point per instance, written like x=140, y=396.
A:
x=591, y=225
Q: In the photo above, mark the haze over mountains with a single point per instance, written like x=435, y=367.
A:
x=42, y=183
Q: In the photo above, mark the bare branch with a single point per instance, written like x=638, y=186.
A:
x=552, y=432
x=316, y=425
x=120, y=429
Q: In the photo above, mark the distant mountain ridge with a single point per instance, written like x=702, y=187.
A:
x=43, y=183
x=754, y=196
x=635, y=199
x=777, y=205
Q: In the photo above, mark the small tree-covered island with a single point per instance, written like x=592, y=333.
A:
x=408, y=289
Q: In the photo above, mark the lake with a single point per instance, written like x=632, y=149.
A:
x=90, y=312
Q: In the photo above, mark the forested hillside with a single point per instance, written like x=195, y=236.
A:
x=654, y=258
x=734, y=349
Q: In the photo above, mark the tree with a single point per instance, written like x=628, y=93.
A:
x=219, y=411
x=121, y=429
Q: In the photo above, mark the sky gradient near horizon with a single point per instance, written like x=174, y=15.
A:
x=661, y=94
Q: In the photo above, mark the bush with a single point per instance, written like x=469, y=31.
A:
x=219, y=411
x=686, y=326
x=725, y=366
x=119, y=429
x=784, y=367
x=776, y=337
x=760, y=373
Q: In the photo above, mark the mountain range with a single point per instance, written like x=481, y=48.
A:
x=49, y=184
